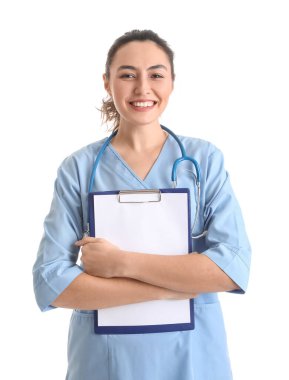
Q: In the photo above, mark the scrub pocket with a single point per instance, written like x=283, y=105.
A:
x=87, y=352
x=209, y=344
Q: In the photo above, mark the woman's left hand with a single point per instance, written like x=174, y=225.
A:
x=100, y=258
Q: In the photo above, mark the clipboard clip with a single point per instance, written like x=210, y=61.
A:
x=139, y=196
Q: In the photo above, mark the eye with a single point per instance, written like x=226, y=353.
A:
x=127, y=76
x=157, y=76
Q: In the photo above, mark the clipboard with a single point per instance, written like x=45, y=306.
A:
x=148, y=221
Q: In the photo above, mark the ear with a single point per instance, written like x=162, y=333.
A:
x=106, y=84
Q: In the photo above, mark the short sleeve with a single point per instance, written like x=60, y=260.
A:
x=226, y=240
x=55, y=267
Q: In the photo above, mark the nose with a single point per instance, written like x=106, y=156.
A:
x=142, y=86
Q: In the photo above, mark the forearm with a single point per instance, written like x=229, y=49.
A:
x=184, y=273
x=90, y=293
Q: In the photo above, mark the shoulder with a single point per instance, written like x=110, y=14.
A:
x=75, y=169
x=202, y=149
x=209, y=157
x=83, y=156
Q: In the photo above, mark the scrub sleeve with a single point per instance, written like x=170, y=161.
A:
x=55, y=267
x=226, y=241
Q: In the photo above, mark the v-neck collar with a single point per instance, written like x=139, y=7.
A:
x=154, y=167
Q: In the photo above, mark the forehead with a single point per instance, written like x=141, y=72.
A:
x=140, y=54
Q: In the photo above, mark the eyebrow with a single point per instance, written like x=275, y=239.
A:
x=154, y=67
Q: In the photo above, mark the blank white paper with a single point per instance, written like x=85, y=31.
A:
x=150, y=227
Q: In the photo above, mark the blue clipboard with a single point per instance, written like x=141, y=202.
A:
x=127, y=218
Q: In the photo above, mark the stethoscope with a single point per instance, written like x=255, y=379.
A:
x=184, y=157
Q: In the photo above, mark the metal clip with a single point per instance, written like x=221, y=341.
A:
x=139, y=196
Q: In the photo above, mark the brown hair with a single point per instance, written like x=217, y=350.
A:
x=108, y=110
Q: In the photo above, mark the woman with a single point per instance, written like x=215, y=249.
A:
x=139, y=79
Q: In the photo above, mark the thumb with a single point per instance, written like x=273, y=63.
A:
x=85, y=240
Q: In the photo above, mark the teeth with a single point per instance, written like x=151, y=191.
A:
x=143, y=104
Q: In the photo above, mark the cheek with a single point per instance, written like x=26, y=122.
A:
x=118, y=94
x=118, y=101
x=166, y=89
x=166, y=93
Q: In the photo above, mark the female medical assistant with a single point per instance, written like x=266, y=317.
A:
x=197, y=354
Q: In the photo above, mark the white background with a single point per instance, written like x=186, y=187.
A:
x=232, y=88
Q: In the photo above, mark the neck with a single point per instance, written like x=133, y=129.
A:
x=139, y=138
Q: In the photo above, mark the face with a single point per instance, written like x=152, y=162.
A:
x=140, y=82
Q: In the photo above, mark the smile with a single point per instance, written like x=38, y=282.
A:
x=141, y=106
x=149, y=103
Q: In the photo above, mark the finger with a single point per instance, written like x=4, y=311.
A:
x=86, y=240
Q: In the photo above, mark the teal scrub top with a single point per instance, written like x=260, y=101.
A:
x=199, y=354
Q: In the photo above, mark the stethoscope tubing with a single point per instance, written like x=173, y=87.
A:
x=97, y=160
x=176, y=163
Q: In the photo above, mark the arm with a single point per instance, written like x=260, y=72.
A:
x=89, y=293
x=194, y=273
x=185, y=273
x=222, y=265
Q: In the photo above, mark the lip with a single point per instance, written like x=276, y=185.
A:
x=142, y=100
